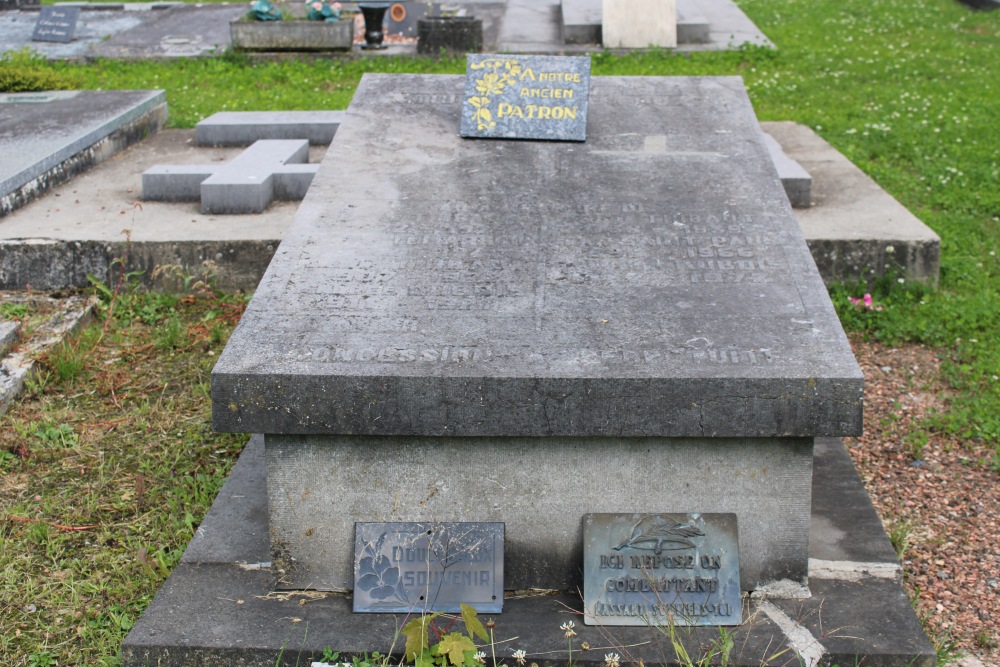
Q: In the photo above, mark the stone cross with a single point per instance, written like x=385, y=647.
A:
x=267, y=170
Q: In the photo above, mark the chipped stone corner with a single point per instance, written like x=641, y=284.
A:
x=782, y=589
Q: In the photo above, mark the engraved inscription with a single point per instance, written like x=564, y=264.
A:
x=646, y=568
x=529, y=268
x=409, y=566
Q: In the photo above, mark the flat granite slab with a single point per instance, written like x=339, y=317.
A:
x=46, y=138
x=219, y=607
x=651, y=281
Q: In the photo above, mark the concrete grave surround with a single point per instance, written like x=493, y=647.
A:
x=794, y=178
x=638, y=24
x=452, y=323
x=242, y=128
x=218, y=605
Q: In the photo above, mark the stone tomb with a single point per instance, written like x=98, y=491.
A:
x=526, y=332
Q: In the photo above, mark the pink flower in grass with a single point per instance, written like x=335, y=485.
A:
x=864, y=302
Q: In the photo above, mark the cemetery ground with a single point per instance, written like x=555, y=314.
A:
x=109, y=462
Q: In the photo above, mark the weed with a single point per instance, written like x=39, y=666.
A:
x=13, y=311
x=66, y=360
x=61, y=435
x=900, y=532
x=985, y=640
x=170, y=334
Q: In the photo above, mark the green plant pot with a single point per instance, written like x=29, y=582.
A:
x=292, y=35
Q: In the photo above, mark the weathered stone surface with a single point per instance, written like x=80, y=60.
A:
x=47, y=138
x=649, y=282
x=319, y=486
x=292, y=35
x=9, y=333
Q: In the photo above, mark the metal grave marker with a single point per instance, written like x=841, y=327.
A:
x=401, y=567
x=526, y=97
x=646, y=569
x=56, y=24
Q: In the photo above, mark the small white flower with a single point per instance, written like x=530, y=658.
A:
x=519, y=655
x=900, y=281
x=611, y=659
x=480, y=657
x=567, y=627
x=890, y=249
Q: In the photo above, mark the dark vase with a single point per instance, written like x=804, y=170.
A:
x=374, y=17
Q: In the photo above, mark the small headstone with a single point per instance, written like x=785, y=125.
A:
x=56, y=24
x=658, y=569
x=639, y=24
x=417, y=566
x=526, y=97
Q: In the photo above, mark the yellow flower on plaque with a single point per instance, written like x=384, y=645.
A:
x=501, y=73
x=490, y=84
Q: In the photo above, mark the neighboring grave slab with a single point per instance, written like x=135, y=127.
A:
x=643, y=301
x=639, y=24
x=47, y=138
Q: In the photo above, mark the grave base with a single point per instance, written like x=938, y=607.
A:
x=320, y=485
x=218, y=607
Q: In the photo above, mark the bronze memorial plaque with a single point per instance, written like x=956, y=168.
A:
x=402, y=567
x=654, y=569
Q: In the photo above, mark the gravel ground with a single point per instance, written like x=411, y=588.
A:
x=941, y=499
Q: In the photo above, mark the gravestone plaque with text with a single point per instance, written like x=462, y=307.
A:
x=526, y=97
x=422, y=566
x=654, y=569
x=56, y=24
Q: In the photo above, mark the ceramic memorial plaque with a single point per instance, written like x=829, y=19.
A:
x=401, y=567
x=655, y=569
x=526, y=97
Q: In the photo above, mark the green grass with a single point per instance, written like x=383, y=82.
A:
x=105, y=473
